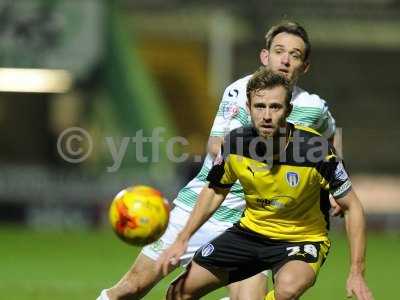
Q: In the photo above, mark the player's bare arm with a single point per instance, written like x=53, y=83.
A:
x=355, y=226
x=214, y=145
x=208, y=202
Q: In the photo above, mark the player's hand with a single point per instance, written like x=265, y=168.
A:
x=336, y=209
x=171, y=256
x=356, y=286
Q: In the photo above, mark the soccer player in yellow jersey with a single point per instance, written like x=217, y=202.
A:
x=287, y=173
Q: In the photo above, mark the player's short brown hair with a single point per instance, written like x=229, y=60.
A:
x=265, y=79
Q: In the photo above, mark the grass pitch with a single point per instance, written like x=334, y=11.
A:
x=77, y=265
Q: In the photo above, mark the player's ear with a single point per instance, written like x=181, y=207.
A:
x=306, y=67
x=248, y=106
x=264, y=56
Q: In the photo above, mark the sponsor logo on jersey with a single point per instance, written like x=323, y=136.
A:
x=207, y=250
x=233, y=93
x=292, y=179
x=277, y=201
x=229, y=110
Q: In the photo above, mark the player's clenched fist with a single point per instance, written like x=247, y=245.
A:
x=171, y=256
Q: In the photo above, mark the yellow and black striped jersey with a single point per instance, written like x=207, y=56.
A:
x=287, y=196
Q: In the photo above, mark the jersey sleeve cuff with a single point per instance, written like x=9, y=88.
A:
x=220, y=185
x=342, y=190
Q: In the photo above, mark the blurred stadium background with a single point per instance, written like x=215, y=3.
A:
x=116, y=68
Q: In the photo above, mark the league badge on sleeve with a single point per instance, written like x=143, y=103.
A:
x=229, y=110
x=340, y=172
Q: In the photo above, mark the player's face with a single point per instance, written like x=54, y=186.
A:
x=268, y=110
x=286, y=56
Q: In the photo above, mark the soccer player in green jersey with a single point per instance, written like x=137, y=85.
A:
x=287, y=52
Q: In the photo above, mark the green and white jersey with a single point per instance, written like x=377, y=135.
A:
x=308, y=110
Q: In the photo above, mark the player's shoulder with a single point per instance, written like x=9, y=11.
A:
x=237, y=88
x=301, y=97
x=311, y=145
x=306, y=132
